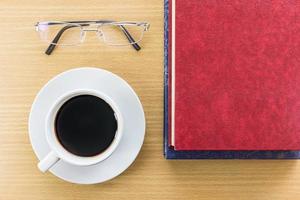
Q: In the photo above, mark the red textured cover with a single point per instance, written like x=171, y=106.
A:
x=237, y=75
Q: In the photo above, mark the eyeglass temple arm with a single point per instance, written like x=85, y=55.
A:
x=52, y=46
x=135, y=45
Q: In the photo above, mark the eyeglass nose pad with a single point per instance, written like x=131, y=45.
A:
x=82, y=36
x=99, y=33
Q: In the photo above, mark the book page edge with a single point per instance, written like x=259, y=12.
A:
x=173, y=76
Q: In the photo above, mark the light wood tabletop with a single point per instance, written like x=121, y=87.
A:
x=24, y=69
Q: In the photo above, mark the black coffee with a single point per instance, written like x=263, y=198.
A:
x=85, y=125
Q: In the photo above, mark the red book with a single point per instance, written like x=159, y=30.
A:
x=235, y=75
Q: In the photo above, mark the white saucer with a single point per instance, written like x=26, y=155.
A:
x=120, y=92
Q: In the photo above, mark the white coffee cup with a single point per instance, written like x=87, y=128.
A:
x=59, y=152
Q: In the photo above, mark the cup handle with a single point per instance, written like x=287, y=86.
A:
x=48, y=161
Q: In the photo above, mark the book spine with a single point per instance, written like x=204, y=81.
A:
x=166, y=77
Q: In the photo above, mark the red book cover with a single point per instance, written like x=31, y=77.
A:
x=235, y=75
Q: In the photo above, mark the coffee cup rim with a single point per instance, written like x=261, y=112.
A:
x=57, y=147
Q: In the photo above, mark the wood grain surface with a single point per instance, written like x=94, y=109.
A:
x=24, y=69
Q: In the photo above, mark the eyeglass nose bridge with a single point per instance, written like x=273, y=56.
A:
x=90, y=28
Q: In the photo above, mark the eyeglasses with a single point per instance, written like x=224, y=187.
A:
x=73, y=32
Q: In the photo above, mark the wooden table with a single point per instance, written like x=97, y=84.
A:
x=24, y=69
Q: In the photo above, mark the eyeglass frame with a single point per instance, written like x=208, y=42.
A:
x=81, y=24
